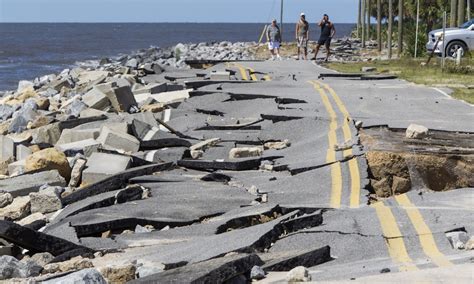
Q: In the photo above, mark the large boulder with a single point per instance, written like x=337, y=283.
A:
x=18, y=209
x=11, y=267
x=119, y=274
x=415, y=131
x=84, y=276
x=49, y=159
x=46, y=200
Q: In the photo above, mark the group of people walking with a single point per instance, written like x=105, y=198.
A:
x=328, y=31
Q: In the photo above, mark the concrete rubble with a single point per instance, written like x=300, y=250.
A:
x=140, y=169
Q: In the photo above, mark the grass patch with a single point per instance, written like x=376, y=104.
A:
x=464, y=94
x=456, y=78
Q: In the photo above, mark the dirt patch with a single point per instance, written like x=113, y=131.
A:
x=396, y=173
x=444, y=161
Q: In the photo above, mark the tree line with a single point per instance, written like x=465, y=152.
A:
x=404, y=14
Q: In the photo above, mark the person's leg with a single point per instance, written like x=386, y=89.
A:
x=277, y=51
x=328, y=49
x=318, y=46
x=273, y=53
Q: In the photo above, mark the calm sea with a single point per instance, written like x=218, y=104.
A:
x=31, y=50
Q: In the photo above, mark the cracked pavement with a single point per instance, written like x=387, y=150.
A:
x=307, y=196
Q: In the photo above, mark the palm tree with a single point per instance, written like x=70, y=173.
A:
x=364, y=10
x=368, y=18
x=379, y=25
x=359, y=21
x=390, y=24
x=452, y=18
x=461, y=12
x=400, y=27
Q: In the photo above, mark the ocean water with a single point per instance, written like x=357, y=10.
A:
x=31, y=50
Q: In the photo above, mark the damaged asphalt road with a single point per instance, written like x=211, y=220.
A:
x=271, y=172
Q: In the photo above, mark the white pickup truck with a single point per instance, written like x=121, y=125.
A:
x=455, y=38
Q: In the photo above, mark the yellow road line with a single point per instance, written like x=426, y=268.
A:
x=336, y=172
x=253, y=76
x=424, y=233
x=393, y=237
x=243, y=71
x=353, y=166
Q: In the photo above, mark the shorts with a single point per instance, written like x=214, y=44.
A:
x=273, y=45
x=302, y=42
x=326, y=41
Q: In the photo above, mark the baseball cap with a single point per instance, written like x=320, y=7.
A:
x=302, y=14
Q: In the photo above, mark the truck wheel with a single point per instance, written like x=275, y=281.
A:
x=453, y=47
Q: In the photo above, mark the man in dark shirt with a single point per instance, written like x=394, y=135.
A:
x=327, y=33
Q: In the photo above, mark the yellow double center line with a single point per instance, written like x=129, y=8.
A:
x=243, y=72
x=336, y=172
x=393, y=237
x=425, y=235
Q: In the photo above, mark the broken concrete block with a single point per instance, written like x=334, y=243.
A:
x=17, y=168
x=22, y=152
x=4, y=164
x=118, y=140
x=171, y=97
x=119, y=274
x=59, y=84
x=18, y=209
x=220, y=75
x=144, y=131
x=458, y=239
x=5, y=199
x=48, y=134
x=151, y=89
x=7, y=148
x=298, y=274
x=49, y=159
x=415, y=131
x=245, y=152
x=11, y=267
x=116, y=126
x=96, y=99
x=205, y=144
x=146, y=269
x=280, y=145
x=217, y=270
x=85, y=147
x=113, y=182
x=400, y=185
x=91, y=77
x=74, y=263
x=90, y=112
x=38, y=216
x=36, y=241
x=102, y=165
x=76, y=173
x=23, y=85
x=23, y=185
x=121, y=98
x=74, y=135
x=46, y=200
x=42, y=259
x=89, y=275
x=257, y=273
x=285, y=261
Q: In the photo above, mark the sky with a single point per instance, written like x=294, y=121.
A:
x=155, y=11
